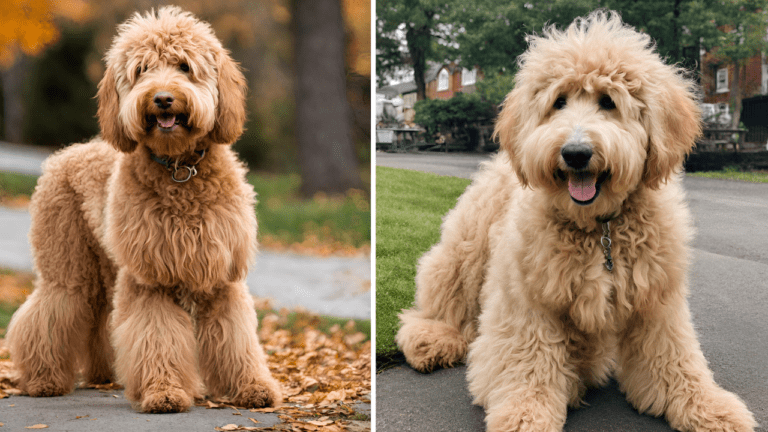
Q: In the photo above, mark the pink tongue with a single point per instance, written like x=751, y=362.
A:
x=166, y=123
x=581, y=186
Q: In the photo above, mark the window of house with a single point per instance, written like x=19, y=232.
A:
x=442, y=80
x=764, y=79
x=722, y=80
x=468, y=77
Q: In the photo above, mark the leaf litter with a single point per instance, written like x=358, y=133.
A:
x=323, y=374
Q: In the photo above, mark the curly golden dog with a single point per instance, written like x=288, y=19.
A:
x=142, y=238
x=565, y=261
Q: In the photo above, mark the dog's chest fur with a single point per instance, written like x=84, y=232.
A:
x=194, y=235
x=574, y=281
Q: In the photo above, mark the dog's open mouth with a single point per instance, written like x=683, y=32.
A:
x=583, y=186
x=167, y=122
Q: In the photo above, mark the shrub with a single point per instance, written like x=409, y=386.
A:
x=459, y=116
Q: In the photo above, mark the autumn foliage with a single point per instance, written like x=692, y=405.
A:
x=28, y=25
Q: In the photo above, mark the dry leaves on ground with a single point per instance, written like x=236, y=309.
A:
x=313, y=245
x=322, y=375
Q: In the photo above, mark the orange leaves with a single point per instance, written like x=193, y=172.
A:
x=28, y=25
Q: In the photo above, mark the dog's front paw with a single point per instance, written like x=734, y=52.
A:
x=523, y=416
x=719, y=411
x=169, y=400
x=258, y=395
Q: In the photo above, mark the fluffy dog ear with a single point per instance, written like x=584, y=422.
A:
x=507, y=129
x=673, y=125
x=109, y=112
x=230, y=113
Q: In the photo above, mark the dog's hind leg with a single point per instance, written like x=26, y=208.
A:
x=98, y=365
x=47, y=336
x=232, y=362
x=436, y=331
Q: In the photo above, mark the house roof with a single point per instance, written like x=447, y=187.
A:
x=398, y=89
x=431, y=73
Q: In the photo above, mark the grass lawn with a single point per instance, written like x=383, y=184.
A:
x=410, y=206
x=730, y=173
x=12, y=184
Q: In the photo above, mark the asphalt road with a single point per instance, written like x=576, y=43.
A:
x=729, y=303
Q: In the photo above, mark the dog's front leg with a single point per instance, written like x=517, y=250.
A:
x=232, y=361
x=518, y=370
x=663, y=371
x=154, y=346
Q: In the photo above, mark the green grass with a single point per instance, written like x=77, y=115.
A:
x=284, y=215
x=733, y=173
x=6, y=311
x=410, y=206
x=12, y=184
x=297, y=321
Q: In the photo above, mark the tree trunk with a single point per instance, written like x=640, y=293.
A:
x=326, y=152
x=736, y=95
x=13, y=99
x=418, y=40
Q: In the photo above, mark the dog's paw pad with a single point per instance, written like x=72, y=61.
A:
x=167, y=401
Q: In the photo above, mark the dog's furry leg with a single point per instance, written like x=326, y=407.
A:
x=46, y=336
x=154, y=346
x=232, y=362
x=98, y=367
x=519, y=369
x=436, y=331
x=663, y=371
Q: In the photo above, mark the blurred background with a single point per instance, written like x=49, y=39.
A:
x=308, y=65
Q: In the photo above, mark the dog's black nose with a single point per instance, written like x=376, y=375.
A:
x=576, y=155
x=163, y=100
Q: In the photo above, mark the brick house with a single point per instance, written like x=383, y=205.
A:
x=716, y=82
x=443, y=81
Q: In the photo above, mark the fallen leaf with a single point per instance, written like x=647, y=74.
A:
x=37, y=426
x=253, y=420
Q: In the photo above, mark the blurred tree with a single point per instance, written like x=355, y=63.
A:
x=421, y=25
x=27, y=27
x=492, y=33
x=58, y=93
x=327, y=159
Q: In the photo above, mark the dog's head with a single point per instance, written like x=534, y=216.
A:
x=595, y=114
x=170, y=85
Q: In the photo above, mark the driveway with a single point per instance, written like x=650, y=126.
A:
x=729, y=303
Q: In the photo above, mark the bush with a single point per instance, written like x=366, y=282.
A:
x=458, y=116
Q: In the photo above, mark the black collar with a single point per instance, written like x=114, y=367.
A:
x=174, y=166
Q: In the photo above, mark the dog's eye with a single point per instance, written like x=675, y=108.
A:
x=184, y=67
x=607, y=103
x=559, y=103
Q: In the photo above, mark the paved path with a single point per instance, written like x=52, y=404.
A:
x=102, y=411
x=336, y=286
x=729, y=303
